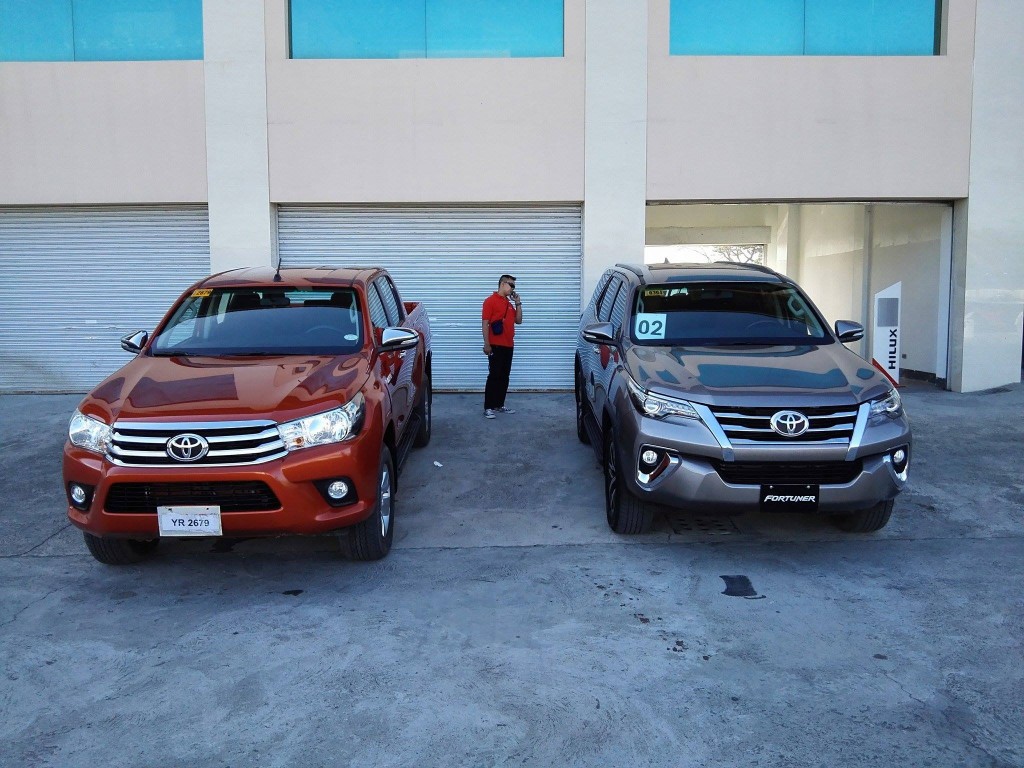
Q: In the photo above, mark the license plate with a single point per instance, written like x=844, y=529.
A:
x=189, y=521
x=789, y=498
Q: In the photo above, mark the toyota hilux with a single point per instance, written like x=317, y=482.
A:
x=264, y=403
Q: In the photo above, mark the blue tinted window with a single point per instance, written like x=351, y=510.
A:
x=138, y=30
x=494, y=28
x=803, y=27
x=36, y=30
x=100, y=30
x=358, y=29
x=374, y=29
x=871, y=27
x=736, y=27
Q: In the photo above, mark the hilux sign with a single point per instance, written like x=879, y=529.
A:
x=885, y=345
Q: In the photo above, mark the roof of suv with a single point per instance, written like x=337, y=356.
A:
x=723, y=271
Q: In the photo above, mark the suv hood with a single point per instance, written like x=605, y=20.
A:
x=757, y=375
x=178, y=388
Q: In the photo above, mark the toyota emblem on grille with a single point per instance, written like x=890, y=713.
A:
x=187, y=447
x=790, y=423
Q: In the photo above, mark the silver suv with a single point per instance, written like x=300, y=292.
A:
x=720, y=389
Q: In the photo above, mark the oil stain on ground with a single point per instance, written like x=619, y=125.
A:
x=740, y=586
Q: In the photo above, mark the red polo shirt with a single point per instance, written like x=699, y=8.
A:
x=498, y=307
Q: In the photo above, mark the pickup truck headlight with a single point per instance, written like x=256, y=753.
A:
x=890, y=405
x=332, y=426
x=658, y=406
x=88, y=433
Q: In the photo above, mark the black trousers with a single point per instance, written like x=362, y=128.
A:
x=499, y=366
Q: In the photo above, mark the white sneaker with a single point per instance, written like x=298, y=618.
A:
x=489, y=413
x=503, y=409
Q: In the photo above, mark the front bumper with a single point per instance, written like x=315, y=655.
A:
x=689, y=480
x=302, y=509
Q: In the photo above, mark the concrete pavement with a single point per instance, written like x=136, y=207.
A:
x=509, y=626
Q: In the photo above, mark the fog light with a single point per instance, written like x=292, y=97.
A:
x=338, y=489
x=649, y=457
x=900, y=458
x=78, y=494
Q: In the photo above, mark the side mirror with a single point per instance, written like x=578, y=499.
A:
x=599, y=333
x=393, y=339
x=134, y=342
x=847, y=331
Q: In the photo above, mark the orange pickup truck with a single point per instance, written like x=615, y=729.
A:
x=265, y=403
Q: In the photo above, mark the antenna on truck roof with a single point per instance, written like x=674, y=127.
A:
x=277, y=272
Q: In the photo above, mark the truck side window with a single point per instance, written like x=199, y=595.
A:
x=378, y=316
x=387, y=293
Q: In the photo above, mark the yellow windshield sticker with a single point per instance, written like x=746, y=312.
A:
x=201, y=293
x=655, y=292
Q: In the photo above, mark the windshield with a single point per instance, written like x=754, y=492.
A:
x=724, y=313
x=264, y=321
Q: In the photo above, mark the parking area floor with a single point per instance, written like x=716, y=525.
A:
x=509, y=626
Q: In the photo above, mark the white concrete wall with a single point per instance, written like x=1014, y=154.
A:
x=243, y=228
x=810, y=128
x=102, y=132
x=616, y=137
x=425, y=130
x=831, y=259
x=985, y=342
x=907, y=248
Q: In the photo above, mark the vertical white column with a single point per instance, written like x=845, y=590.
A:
x=615, y=153
x=988, y=269
x=243, y=231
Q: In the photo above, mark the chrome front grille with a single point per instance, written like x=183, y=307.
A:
x=231, y=443
x=745, y=426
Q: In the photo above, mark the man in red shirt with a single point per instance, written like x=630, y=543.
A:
x=502, y=312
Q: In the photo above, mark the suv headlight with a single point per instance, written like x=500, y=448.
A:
x=890, y=405
x=332, y=426
x=89, y=433
x=658, y=406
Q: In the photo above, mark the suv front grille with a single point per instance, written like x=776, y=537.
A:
x=785, y=473
x=144, y=444
x=753, y=425
x=140, y=498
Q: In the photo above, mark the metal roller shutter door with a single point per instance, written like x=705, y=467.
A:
x=450, y=258
x=73, y=281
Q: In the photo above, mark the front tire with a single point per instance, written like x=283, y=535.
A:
x=625, y=512
x=424, y=410
x=119, y=551
x=866, y=521
x=371, y=539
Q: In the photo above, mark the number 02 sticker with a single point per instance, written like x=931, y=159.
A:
x=649, y=326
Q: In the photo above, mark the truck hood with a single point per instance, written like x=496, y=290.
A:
x=183, y=388
x=757, y=375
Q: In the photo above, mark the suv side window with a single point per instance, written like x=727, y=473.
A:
x=599, y=293
x=378, y=316
x=604, y=306
x=619, y=307
x=391, y=303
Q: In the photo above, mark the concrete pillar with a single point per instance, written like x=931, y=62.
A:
x=243, y=230
x=988, y=237
x=615, y=155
